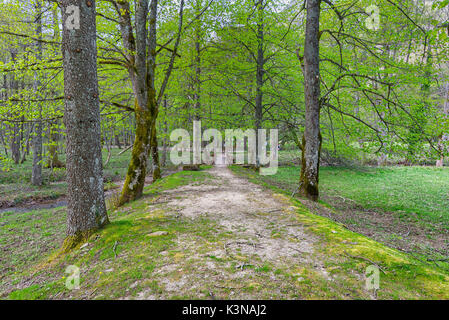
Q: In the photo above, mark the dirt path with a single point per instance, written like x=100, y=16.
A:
x=257, y=242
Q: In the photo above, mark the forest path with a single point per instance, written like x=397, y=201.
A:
x=253, y=233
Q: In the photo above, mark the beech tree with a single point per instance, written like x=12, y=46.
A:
x=311, y=144
x=86, y=210
x=36, y=173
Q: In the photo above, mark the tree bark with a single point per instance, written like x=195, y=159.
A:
x=53, y=138
x=312, y=136
x=86, y=210
x=139, y=70
x=153, y=105
x=117, y=141
x=259, y=75
x=53, y=133
x=15, y=139
x=36, y=172
x=197, y=95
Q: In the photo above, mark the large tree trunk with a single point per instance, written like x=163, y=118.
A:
x=86, y=210
x=312, y=136
x=141, y=73
x=135, y=177
x=36, y=172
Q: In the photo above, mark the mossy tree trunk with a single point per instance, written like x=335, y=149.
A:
x=135, y=177
x=53, y=159
x=141, y=71
x=86, y=209
x=312, y=136
x=309, y=179
x=153, y=103
x=155, y=154
x=141, y=62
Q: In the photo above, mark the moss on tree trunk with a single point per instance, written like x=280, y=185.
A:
x=135, y=177
x=155, y=153
x=309, y=179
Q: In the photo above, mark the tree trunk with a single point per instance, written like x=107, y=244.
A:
x=154, y=109
x=197, y=95
x=117, y=141
x=53, y=134
x=53, y=160
x=15, y=144
x=135, y=177
x=312, y=136
x=15, y=140
x=86, y=210
x=259, y=76
x=141, y=73
x=155, y=154
x=36, y=172
x=165, y=144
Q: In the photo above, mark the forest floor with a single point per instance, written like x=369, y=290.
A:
x=17, y=193
x=209, y=234
x=403, y=207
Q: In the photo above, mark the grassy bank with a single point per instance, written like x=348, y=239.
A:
x=125, y=259
x=403, y=207
x=16, y=189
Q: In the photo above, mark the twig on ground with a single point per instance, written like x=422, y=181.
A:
x=344, y=199
x=366, y=259
x=297, y=189
x=91, y=294
x=243, y=265
x=439, y=260
x=124, y=150
x=113, y=249
x=274, y=210
x=232, y=288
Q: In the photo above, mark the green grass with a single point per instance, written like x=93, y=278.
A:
x=25, y=238
x=423, y=191
x=129, y=228
x=134, y=264
x=402, y=207
x=15, y=186
x=406, y=275
x=419, y=190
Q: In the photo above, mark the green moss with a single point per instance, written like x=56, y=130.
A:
x=37, y=292
x=135, y=177
x=307, y=188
